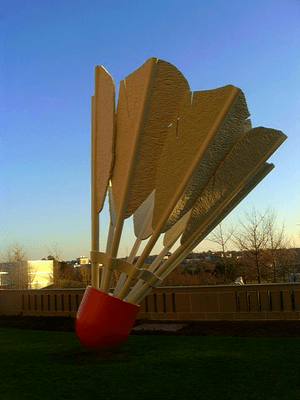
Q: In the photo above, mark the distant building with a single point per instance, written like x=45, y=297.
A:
x=40, y=273
x=83, y=260
x=3, y=279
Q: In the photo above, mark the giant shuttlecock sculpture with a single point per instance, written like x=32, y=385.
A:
x=178, y=162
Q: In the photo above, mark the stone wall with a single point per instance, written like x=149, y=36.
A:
x=190, y=303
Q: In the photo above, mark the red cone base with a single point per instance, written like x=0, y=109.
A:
x=103, y=322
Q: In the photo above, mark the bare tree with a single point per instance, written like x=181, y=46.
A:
x=55, y=254
x=263, y=242
x=252, y=239
x=244, y=269
x=277, y=243
x=85, y=274
x=222, y=236
x=15, y=263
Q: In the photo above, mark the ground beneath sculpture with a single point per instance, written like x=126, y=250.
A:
x=166, y=327
x=201, y=328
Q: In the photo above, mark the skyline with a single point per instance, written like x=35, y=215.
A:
x=47, y=59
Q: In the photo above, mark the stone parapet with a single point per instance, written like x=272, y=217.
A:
x=189, y=303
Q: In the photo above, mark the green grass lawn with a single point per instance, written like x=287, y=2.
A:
x=45, y=365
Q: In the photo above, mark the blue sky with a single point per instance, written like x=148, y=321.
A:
x=48, y=50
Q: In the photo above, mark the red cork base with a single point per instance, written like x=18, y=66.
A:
x=103, y=322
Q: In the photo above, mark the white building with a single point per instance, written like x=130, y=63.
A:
x=3, y=279
x=40, y=273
